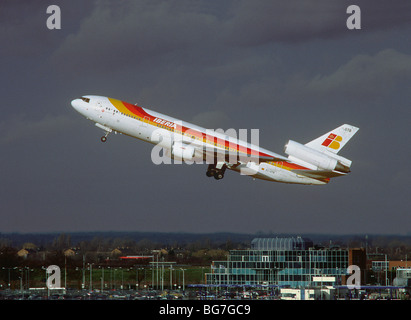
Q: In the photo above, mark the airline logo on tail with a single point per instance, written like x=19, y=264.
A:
x=332, y=141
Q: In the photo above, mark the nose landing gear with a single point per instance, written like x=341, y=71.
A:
x=106, y=129
x=104, y=138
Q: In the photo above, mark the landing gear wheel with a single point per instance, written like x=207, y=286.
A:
x=103, y=139
x=212, y=171
x=209, y=174
x=218, y=175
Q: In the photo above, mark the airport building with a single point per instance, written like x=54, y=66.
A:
x=285, y=262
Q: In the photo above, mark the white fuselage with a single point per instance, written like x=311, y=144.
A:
x=117, y=116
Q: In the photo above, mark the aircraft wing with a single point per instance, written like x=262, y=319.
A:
x=319, y=174
x=235, y=157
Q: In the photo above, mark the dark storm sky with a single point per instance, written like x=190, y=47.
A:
x=292, y=69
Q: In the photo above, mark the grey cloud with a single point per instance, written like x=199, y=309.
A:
x=211, y=119
x=139, y=35
x=23, y=30
x=285, y=67
x=20, y=127
x=120, y=34
x=365, y=75
x=260, y=22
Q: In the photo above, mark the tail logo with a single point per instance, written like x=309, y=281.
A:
x=332, y=141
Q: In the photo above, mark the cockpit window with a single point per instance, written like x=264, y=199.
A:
x=85, y=99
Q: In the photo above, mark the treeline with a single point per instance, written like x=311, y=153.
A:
x=396, y=247
x=105, y=240
x=107, y=249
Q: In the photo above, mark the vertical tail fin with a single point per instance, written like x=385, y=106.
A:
x=334, y=140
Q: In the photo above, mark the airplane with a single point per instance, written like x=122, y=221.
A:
x=313, y=163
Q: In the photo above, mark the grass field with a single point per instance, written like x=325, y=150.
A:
x=98, y=277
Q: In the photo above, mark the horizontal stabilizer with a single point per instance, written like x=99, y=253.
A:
x=319, y=174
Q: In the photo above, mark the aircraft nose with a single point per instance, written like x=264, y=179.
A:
x=76, y=104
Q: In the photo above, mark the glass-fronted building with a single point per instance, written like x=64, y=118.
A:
x=289, y=262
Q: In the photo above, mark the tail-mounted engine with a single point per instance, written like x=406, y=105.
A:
x=320, y=160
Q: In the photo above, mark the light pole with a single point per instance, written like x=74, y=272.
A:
x=91, y=277
x=137, y=278
x=65, y=272
x=171, y=277
x=48, y=292
x=115, y=283
x=21, y=282
x=83, y=285
x=162, y=277
x=122, y=278
x=102, y=279
x=183, y=279
x=110, y=282
x=386, y=269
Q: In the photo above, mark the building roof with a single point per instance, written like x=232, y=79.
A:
x=290, y=243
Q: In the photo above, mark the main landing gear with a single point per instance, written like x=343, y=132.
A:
x=217, y=171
